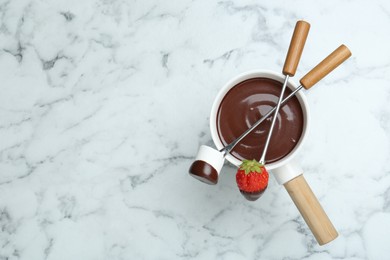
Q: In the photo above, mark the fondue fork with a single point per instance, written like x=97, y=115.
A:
x=322, y=69
x=294, y=54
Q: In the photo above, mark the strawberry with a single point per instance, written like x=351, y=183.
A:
x=252, y=179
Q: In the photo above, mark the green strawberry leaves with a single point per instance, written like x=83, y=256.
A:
x=251, y=166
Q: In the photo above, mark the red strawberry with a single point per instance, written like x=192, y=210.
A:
x=252, y=179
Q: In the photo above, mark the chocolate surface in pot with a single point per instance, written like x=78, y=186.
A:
x=246, y=103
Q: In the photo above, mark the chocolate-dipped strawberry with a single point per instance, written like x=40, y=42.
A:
x=252, y=179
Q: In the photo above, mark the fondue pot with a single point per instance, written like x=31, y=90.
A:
x=285, y=169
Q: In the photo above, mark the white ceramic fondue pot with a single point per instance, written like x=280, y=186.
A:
x=209, y=161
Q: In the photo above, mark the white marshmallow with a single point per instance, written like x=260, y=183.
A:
x=211, y=156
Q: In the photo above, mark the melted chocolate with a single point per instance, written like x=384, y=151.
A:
x=246, y=103
x=252, y=196
x=204, y=172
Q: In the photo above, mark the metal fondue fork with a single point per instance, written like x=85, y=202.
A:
x=294, y=53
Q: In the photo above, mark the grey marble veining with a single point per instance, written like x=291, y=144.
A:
x=104, y=103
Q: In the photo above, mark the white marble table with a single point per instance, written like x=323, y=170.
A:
x=103, y=105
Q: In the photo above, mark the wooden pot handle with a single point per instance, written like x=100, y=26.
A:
x=311, y=210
